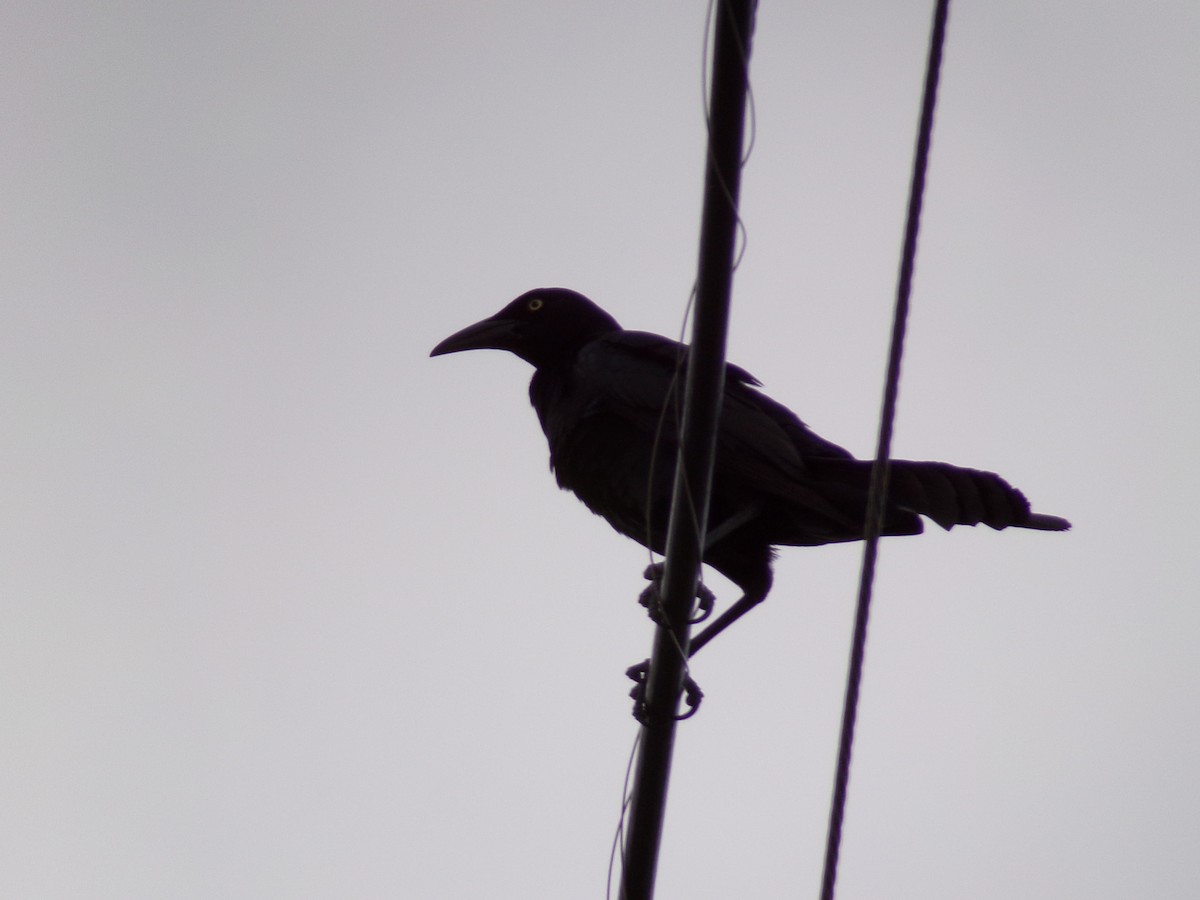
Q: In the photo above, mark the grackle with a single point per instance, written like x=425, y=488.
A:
x=603, y=396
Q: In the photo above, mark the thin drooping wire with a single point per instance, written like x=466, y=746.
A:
x=752, y=116
x=618, y=843
x=877, y=493
x=673, y=403
x=674, y=399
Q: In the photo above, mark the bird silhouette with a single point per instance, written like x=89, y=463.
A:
x=604, y=397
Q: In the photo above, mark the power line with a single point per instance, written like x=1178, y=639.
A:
x=693, y=472
x=877, y=493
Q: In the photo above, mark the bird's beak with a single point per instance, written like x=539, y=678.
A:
x=490, y=334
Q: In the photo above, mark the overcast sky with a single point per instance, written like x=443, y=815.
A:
x=291, y=610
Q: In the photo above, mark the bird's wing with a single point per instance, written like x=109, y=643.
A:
x=632, y=373
x=762, y=446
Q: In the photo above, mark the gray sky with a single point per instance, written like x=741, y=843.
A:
x=291, y=610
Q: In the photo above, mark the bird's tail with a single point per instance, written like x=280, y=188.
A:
x=1045, y=522
x=952, y=495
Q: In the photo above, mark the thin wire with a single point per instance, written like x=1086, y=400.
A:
x=752, y=124
x=877, y=494
x=672, y=402
x=673, y=399
x=618, y=844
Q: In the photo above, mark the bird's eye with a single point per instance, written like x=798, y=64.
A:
x=535, y=303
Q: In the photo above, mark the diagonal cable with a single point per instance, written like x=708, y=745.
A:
x=877, y=494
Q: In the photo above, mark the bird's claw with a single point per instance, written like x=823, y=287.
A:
x=705, y=601
x=651, y=597
x=639, y=674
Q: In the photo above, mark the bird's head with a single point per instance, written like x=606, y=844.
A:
x=541, y=326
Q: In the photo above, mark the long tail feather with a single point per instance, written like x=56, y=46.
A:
x=953, y=495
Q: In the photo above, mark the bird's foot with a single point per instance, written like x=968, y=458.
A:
x=639, y=674
x=651, y=597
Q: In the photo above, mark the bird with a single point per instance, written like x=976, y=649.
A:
x=604, y=398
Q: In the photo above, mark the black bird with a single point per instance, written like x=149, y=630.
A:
x=601, y=394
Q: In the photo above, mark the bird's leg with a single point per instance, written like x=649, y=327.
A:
x=754, y=593
x=651, y=597
x=748, y=601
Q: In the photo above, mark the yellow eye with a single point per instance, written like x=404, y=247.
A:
x=535, y=303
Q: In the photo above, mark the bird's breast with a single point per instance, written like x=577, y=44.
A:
x=616, y=464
